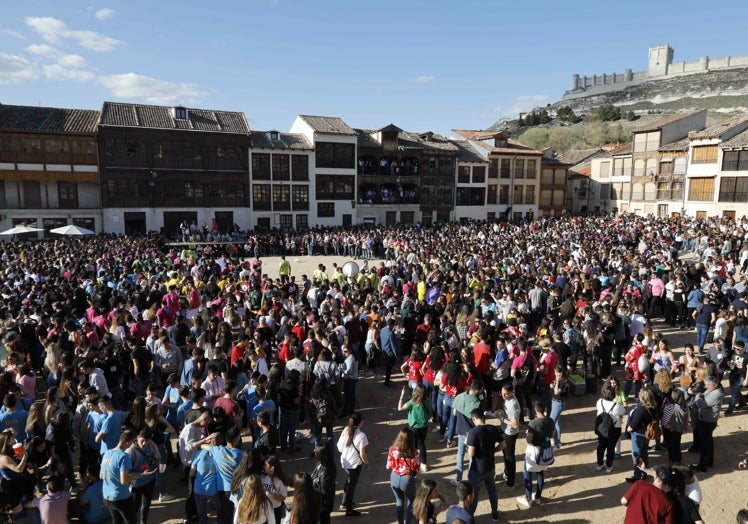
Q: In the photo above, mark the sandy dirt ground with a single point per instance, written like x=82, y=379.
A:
x=574, y=491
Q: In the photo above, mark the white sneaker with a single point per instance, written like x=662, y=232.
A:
x=436, y=430
x=454, y=482
x=165, y=497
x=489, y=414
x=424, y=468
x=608, y=470
x=599, y=467
x=522, y=501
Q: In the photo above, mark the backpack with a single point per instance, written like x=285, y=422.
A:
x=653, y=431
x=604, y=422
x=545, y=454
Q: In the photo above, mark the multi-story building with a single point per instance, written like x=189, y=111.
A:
x=401, y=176
x=280, y=177
x=581, y=189
x=646, y=143
x=671, y=178
x=513, y=168
x=553, y=175
x=49, y=175
x=332, y=170
x=715, y=184
x=477, y=195
x=161, y=166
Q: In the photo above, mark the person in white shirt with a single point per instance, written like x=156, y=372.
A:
x=352, y=447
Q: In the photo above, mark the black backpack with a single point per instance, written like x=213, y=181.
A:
x=604, y=423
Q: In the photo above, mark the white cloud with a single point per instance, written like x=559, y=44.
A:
x=14, y=34
x=15, y=69
x=525, y=103
x=73, y=61
x=425, y=79
x=152, y=90
x=43, y=50
x=59, y=72
x=103, y=14
x=56, y=31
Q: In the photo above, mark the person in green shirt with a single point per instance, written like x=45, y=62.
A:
x=284, y=268
x=419, y=414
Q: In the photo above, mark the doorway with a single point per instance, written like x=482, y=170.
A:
x=225, y=220
x=134, y=223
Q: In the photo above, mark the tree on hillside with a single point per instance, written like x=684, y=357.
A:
x=608, y=113
x=566, y=114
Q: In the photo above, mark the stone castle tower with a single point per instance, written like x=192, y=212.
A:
x=660, y=58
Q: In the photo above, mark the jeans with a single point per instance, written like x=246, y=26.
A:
x=461, y=440
x=510, y=460
x=736, y=383
x=528, y=483
x=202, y=502
x=448, y=417
x=701, y=332
x=289, y=420
x=389, y=364
x=440, y=395
x=404, y=489
x=606, y=446
x=557, y=406
x=420, y=436
x=349, y=396
x=142, y=498
x=486, y=478
x=639, y=448
x=123, y=511
x=349, y=489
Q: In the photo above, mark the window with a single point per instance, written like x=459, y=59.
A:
x=701, y=189
x=180, y=113
x=281, y=167
x=504, y=194
x=559, y=177
x=531, y=170
x=90, y=148
x=605, y=169
x=666, y=167
x=651, y=169
x=733, y=189
x=650, y=191
x=261, y=197
x=546, y=177
x=325, y=209
x=51, y=146
x=604, y=191
x=32, y=194
x=558, y=198
x=64, y=146
x=640, y=167
x=679, y=166
x=492, y=197
x=193, y=190
x=529, y=194
x=704, y=155
x=7, y=145
x=335, y=187
x=463, y=175
x=299, y=168
x=407, y=217
x=302, y=221
x=260, y=166
x=546, y=198
x=36, y=146
x=506, y=168
x=300, y=198
x=493, y=168
x=274, y=135
x=519, y=168
x=67, y=195
x=735, y=161
x=432, y=163
x=517, y=198
x=285, y=221
x=479, y=174
x=638, y=192
x=281, y=198
x=470, y=196
x=331, y=154
x=444, y=196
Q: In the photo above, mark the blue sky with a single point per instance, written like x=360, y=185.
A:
x=435, y=65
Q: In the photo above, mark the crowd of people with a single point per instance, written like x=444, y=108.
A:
x=124, y=356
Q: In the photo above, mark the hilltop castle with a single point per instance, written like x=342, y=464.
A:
x=660, y=66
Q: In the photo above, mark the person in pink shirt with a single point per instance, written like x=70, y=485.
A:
x=657, y=302
x=213, y=386
x=547, y=372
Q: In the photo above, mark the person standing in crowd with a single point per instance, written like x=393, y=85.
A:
x=254, y=507
x=704, y=316
x=460, y=512
x=737, y=376
x=560, y=392
x=352, y=447
x=305, y=508
x=404, y=463
x=428, y=502
x=608, y=436
x=144, y=455
x=189, y=443
x=464, y=405
x=510, y=428
x=226, y=453
x=708, y=405
x=640, y=417
x=390, y=345
x=276, y=484
x=349, y=374
x=117, y=474
x=419, y=414
x=539, y=433
x=323, y=479
x=483, y=442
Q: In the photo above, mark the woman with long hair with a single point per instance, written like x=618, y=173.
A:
x=674, y=423
x=305, y=508
x=404, y=463
x=454, y=382
x=276, y=484
x=254, y=506
x=644, y=413
x=606, y=443
x=323, y=479
x=242, y=471
x=419, y=413
x=428, y=502
x=136, y=419
x=35, y=425
x=559, y=394
x=19, y=484
x=431, y=366
x=352, y=447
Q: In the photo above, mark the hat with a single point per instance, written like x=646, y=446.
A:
x=544, y=343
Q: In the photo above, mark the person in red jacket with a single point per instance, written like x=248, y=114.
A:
x=633, y=373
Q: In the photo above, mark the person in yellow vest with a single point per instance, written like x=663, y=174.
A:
x=284, y=268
